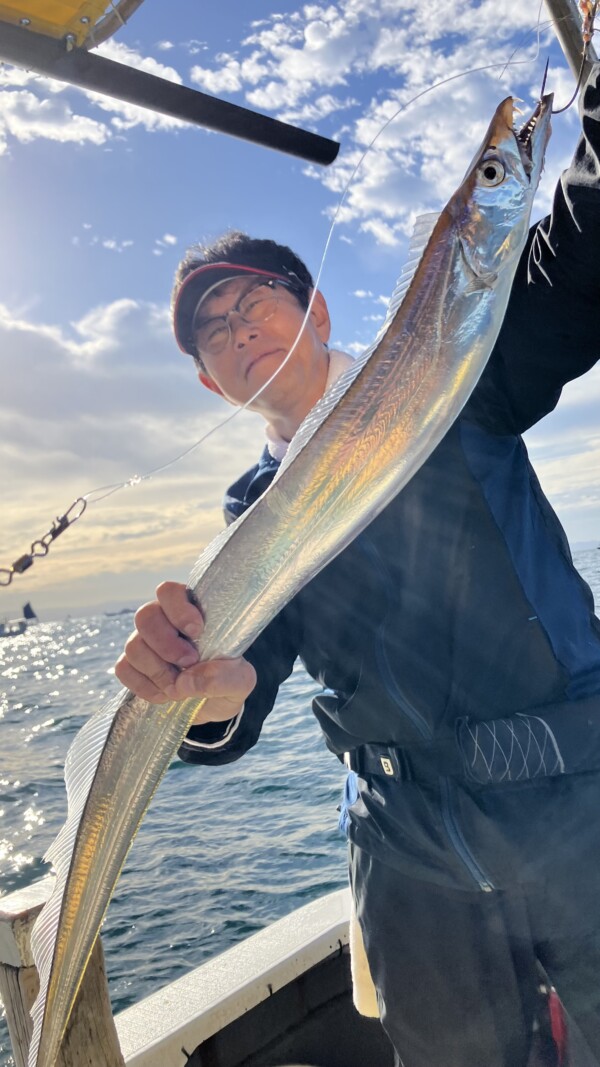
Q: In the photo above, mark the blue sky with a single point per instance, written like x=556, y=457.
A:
x=99, y=201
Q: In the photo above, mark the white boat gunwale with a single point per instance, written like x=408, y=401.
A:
x=200, y=1004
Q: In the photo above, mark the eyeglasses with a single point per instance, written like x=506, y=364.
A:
x=259, y=304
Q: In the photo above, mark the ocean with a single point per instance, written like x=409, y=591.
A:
x=222, y=851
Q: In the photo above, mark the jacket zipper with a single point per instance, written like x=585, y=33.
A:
x=460, y=845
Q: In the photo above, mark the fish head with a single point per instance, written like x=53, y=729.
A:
x=491, y=208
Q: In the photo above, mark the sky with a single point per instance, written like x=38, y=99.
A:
x=99, y=201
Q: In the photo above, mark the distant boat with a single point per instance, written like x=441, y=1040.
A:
x=123, y=611
x=14, y=627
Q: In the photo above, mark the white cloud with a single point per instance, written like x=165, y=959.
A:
x=96, y=404
x=168, y=240
x=225, y=80
x=109, y=395
x=194, y=47
x=129, y=399
x=127, y=116
x=121, y=53
x=322, y=46
x=320, y=108
x=290, y=59
x=112, y=245
x=97, y=332
x=382, y=232
x=15, y=76
x=231, y=76
x=47, y=108
x=567, y=461
x=288, y=66
x=27, y=118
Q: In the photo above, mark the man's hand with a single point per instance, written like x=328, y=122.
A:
x=161, y=665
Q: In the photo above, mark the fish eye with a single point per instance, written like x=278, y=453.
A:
x=491, y=172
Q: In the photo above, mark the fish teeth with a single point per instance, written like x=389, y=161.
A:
x=524, y=134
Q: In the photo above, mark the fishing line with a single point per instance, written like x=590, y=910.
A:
x=536, y=29
x=108, y=490
x=589, y=7
x=94, y=496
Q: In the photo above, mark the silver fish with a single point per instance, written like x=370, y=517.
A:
x=356, y=449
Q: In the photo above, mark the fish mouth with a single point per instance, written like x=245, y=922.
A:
x=533, y=135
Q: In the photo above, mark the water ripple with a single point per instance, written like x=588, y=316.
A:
x=222, y=851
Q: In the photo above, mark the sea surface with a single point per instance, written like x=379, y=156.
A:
x=222, y=851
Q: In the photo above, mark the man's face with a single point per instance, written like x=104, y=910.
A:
x=256, y=350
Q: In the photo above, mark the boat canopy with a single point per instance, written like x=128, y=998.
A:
x=84, y=23
x=54, y=38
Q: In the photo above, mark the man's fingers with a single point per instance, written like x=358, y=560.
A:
x=144, y=671
x=184, y=616
x=139, y=683
x=160, y=634
x=160, y=664
x=225, y=679
x=148, y=663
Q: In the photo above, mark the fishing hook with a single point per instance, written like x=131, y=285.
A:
x=92, y=497
x=588, y=9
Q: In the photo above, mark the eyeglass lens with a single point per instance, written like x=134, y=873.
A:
x=257, y=305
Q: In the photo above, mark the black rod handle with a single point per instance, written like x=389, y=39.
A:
x=51, y=57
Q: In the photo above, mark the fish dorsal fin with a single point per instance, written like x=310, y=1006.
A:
x=422, y=231
x=80, y=768
x=321, y=410
x=423, y=228
x=213, y=549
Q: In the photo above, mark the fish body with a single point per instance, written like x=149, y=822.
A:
x=357, y=448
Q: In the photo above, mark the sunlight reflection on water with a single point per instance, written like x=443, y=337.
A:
x=222, y=851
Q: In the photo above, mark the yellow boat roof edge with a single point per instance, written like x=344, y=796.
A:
x=82, y=23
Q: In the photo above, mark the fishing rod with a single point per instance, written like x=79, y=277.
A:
x=64, y=59
x=575, y=38
x=566, y=17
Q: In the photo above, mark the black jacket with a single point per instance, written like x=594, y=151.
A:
x=459, y=610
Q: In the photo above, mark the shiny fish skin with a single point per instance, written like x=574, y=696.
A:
x=357, y=448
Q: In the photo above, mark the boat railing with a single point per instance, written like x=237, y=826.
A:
x=157, y=1031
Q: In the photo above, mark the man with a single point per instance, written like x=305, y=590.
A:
x=457, y=646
